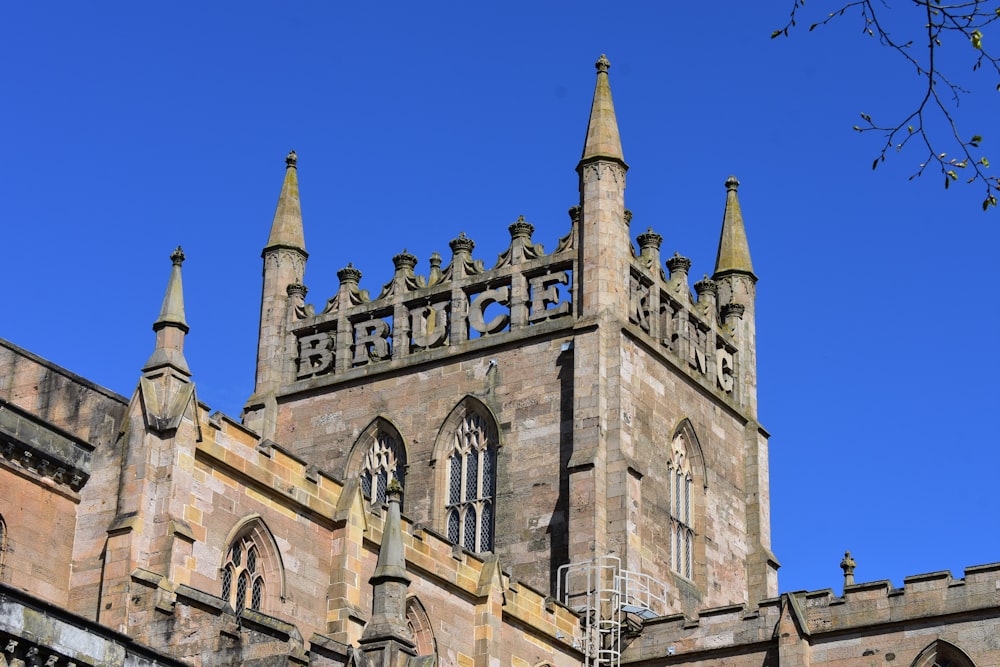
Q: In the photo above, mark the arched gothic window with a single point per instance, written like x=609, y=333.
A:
x=252, y=575
x=472, y=483
x=679, y=489
x=942, y=654
x=384, y=462
x=242, y=576
x=420, y=627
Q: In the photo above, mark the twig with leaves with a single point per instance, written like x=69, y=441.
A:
x=964, y=20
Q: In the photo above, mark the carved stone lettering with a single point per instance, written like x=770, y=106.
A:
x=698, y=340
x=724, y=368
x=477, y=309
x=639, y=304
x=544, y=294
x=371, y=341
x=315, y=354
x=429, y=325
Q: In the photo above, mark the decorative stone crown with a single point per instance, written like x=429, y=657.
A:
x=521, y=228
x=404, y=260
x=649, y=239
x=462, y=244
x=349, y=274
x=678, y=263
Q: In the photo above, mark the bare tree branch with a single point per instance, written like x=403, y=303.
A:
x=964, y=20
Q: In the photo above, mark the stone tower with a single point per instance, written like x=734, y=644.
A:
x=555, y=408
x=284, y=267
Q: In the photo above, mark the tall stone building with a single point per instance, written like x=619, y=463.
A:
x=554, y=460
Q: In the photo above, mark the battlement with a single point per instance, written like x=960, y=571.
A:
x=813, y=613
x=922, y=596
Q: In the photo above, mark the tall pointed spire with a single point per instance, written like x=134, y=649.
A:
x=603, y=139
x=286, y=230
x=734, y=251
x=390, y=582
x=171, y=326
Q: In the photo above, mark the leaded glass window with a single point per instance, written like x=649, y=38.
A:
x=679, y=497
x=242, y=568
x=384, y=462
x=472, y=484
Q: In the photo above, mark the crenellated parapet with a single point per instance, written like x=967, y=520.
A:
x=459, y=305
x=824, y=627
x=922, y=596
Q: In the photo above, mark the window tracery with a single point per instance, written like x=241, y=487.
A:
x=472, y=484
x=242, y=576
x=679, y=482
x=252, y=575
x=384, y=462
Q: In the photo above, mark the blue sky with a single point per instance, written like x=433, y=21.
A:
x=130, y=128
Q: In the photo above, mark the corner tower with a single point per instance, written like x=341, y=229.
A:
x=284, y=268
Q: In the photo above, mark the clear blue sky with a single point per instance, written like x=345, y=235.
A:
x=129, y=128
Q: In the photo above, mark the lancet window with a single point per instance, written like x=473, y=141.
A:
x=243, y=576
x=472, y=484
x=384, y=462
x=3, y=544
x=680, y=501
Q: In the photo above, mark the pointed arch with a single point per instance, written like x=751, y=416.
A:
x=696, y=456
x=420, y=627
x=465, y=456
x=252, y=574
x=940, y=653
x=686, y=484
x=378, y=456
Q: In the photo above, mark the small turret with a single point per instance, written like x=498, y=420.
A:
x=387, y=639
x=734, y=251
x=738, y=292
x=605, y=246
x=284, y=264
x=170, y=326
x=286, y=229
x=603, y=140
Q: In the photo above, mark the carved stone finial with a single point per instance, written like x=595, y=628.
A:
x=297, y=289
x=521, y=228
x=848, y=565
x=394, y=492
x=732, y=183
x=462, y=243
x=678, y=263
x=349, y=274
x=404, y=260
x=733, y=310
x=435, y=260
x=291, y=160
x=706, y=285
x=574, y=213
x=177, y=256
x=649, y=239
x=602, y=64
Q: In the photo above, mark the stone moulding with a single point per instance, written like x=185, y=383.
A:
x=43, y=449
